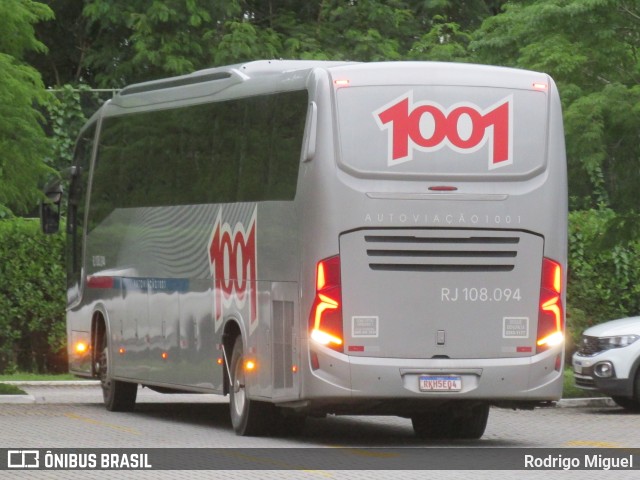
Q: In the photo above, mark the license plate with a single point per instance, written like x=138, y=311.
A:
x=440, y=383
x=577, y=368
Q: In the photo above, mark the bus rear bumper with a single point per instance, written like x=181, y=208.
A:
x=514, y=382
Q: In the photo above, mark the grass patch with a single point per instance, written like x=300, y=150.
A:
x=571, y=391
x=36, y=377
x=10, y=390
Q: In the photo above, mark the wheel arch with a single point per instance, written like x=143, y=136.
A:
x=232, y=330
x=99, y=329
x=634, y=376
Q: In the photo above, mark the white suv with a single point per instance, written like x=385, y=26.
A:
x=608, y=360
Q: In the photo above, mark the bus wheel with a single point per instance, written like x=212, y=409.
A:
x=468, y=423
x=248, y=417
x=118, y=396
x=471, y=423
x=432, y=425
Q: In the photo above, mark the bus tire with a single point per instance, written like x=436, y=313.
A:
x=248, y=417
x=452, y=423
x=432, y=425
x=118, y=396
x=471, y=424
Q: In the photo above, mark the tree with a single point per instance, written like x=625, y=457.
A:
x=590, y=47
x=22, y=141
x=68, y=40
x=137, y=40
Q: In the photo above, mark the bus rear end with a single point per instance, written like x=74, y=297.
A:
x=436, y=221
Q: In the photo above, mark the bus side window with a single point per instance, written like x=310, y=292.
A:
x=243, y=150
x=75, y=212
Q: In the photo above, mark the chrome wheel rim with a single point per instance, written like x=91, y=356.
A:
x=239, y=397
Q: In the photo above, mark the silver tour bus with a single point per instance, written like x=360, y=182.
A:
x=318, y=238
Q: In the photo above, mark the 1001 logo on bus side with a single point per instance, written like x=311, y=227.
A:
x=464, y=127
x=232, y=253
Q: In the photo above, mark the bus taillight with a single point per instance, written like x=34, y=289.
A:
x=325, y=320
x=550, y=317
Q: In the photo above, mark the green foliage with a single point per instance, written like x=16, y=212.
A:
x=242, y=41
x=143, y=39
x=7, y=389
x=32, y=298
x=444, y=42
x=569, y=389
x=601, y=132
x=68, y=40
x=590, y=48
x=604, y=279
x=18, y=34
x=38, y=377
x=66, y=117
x=23, y=144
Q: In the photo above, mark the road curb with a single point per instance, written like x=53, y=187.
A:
x=54, y=383
x=595, y=402
x=586, y=402
x=17, y=399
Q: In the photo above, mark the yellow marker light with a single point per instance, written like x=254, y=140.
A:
x=294, y=369
x=164, y=355
x=249, y=365
x=122, y=351
x=220, y=361
x=81, y=347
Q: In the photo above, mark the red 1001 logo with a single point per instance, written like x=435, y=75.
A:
x=232, y=253
x=463, y=127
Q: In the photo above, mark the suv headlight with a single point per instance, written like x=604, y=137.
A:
x=607, y=343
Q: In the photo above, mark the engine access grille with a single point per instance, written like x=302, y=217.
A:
x=433, y=252
x=425, y=289
x=282, y=344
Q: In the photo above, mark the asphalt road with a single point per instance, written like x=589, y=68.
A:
x=70, y=416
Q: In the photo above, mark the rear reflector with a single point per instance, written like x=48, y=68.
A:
x=315, y=362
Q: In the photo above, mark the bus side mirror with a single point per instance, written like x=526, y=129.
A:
x=50, y=208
